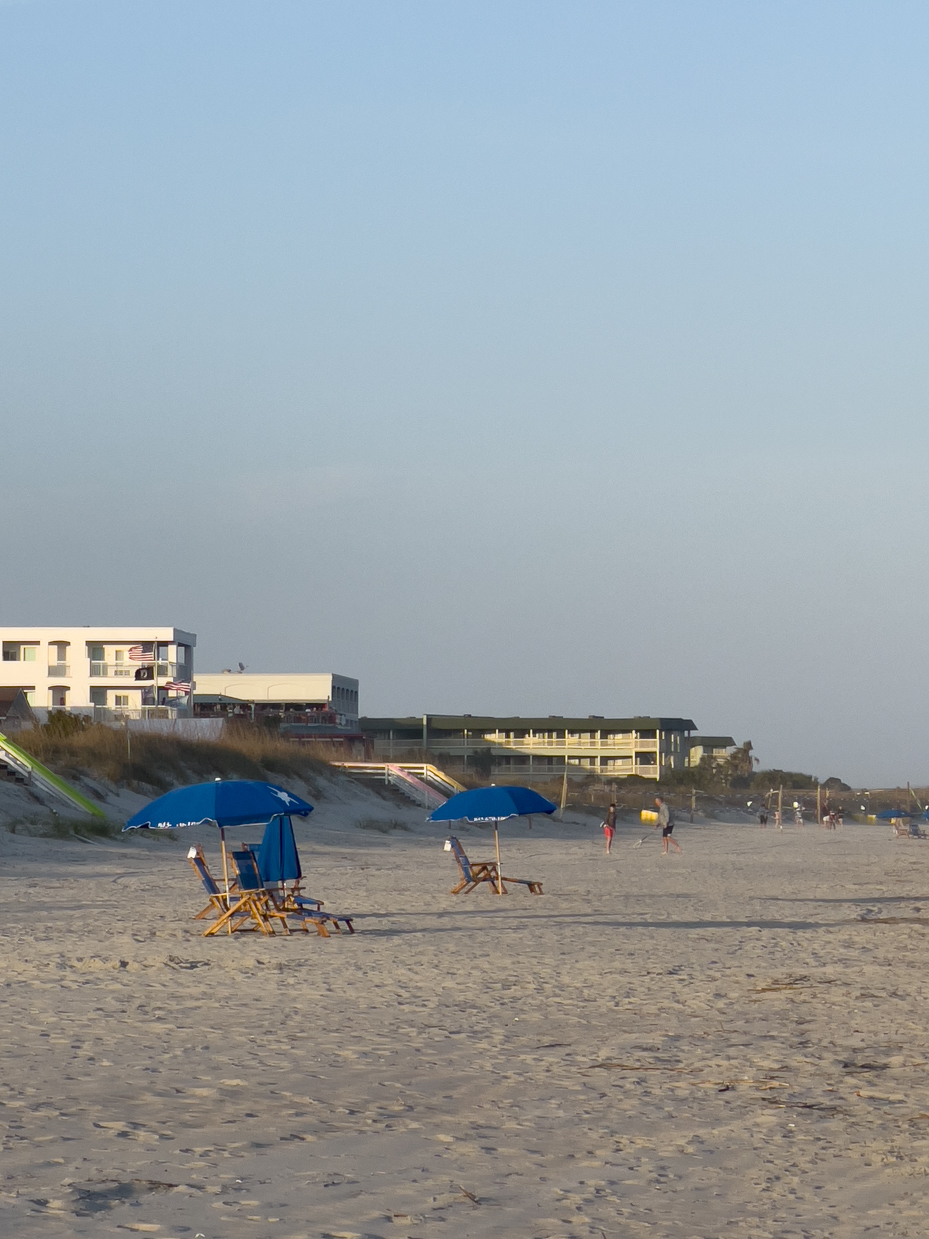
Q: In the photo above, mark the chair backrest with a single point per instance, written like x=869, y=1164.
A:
x=195, y=856
x=463, y=862
x=249, y=877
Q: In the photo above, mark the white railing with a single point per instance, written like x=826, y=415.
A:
x=571, y=744
x=421, y=782
x=126, y=671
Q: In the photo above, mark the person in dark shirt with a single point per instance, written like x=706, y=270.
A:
x=609, y=827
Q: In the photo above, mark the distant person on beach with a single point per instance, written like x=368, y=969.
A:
x=763, y=818
x=609, y=827
x=798, y=816
x=666, y=822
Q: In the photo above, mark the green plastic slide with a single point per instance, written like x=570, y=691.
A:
x=47, y=778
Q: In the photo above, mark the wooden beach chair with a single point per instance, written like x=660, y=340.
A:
x=250, y=879
x=251, y=908
x=288, y=898
x=313, y=907
x=283, y=894
x=907, y=828
x=216, y=894
x=474, y=872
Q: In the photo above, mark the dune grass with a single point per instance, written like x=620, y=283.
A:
x=142, y=761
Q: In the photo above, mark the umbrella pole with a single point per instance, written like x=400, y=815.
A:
x=497, y=848
x=222, y=844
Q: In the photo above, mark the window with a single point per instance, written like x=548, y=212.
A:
x=28, y=653
x=29, y=694
x=98, y=696
x=97, y=654
x=121, y=699
x=119, y=656
x=11, y=651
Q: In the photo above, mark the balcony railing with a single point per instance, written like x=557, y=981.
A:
x=59, y=670
x=126, y=671
x=624, y=744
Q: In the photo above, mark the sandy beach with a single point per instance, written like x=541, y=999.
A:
x=731, y=1042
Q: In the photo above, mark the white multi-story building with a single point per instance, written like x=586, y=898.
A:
x=282, y=693
x=125, y=669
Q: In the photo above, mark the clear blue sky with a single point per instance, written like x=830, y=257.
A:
x=514, y=357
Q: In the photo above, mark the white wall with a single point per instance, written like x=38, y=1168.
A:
x=284, y=686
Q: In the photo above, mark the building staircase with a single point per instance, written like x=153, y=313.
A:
x=24, y=768
x=423, y=784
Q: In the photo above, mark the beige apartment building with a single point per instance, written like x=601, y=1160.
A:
x=609, y=746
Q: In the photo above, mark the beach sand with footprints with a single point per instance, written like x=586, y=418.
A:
x=732, y=1042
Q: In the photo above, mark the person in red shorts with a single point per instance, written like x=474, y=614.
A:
x=609, y=827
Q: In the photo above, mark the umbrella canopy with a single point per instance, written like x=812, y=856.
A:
x=278, y=860
x=236, y=802
x=491, y=804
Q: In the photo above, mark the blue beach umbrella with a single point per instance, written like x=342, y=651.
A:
x=492, y=804
x=278, y=859
x=233, y=802
x=890, y=815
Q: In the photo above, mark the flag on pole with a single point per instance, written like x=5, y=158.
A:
x=142, y=653
x=177, y=686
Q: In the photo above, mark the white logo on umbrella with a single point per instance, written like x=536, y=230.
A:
x=285, y=796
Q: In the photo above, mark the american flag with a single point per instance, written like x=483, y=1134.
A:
x=142, y=653
x=178, y=686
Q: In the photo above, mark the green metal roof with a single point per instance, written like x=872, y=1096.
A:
x=437, y=723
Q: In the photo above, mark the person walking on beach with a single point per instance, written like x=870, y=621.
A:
x=763, y=818
x=609, y=827
x=666, y=822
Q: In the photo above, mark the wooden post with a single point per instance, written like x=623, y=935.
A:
x=780, y=807
x=819, y=810
x=693, y=802
x=564, y=781
x=497, y=849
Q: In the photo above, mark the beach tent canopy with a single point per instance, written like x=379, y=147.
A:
x=491, y=804
x=235, y=802
x=890, y=815
x=278, y=860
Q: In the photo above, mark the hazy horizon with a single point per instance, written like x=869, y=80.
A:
x=523, y=359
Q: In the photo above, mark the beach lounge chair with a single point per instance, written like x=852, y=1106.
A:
x=217, y=897
x=287, y=897
x=283, y=894
x=251, y=908
x=250, y=880
x=907, y=828
x=474, y=872
x=313, y=907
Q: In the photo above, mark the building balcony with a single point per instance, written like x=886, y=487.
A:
x=60, y=671
x=572, y=744
x=126, y=671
